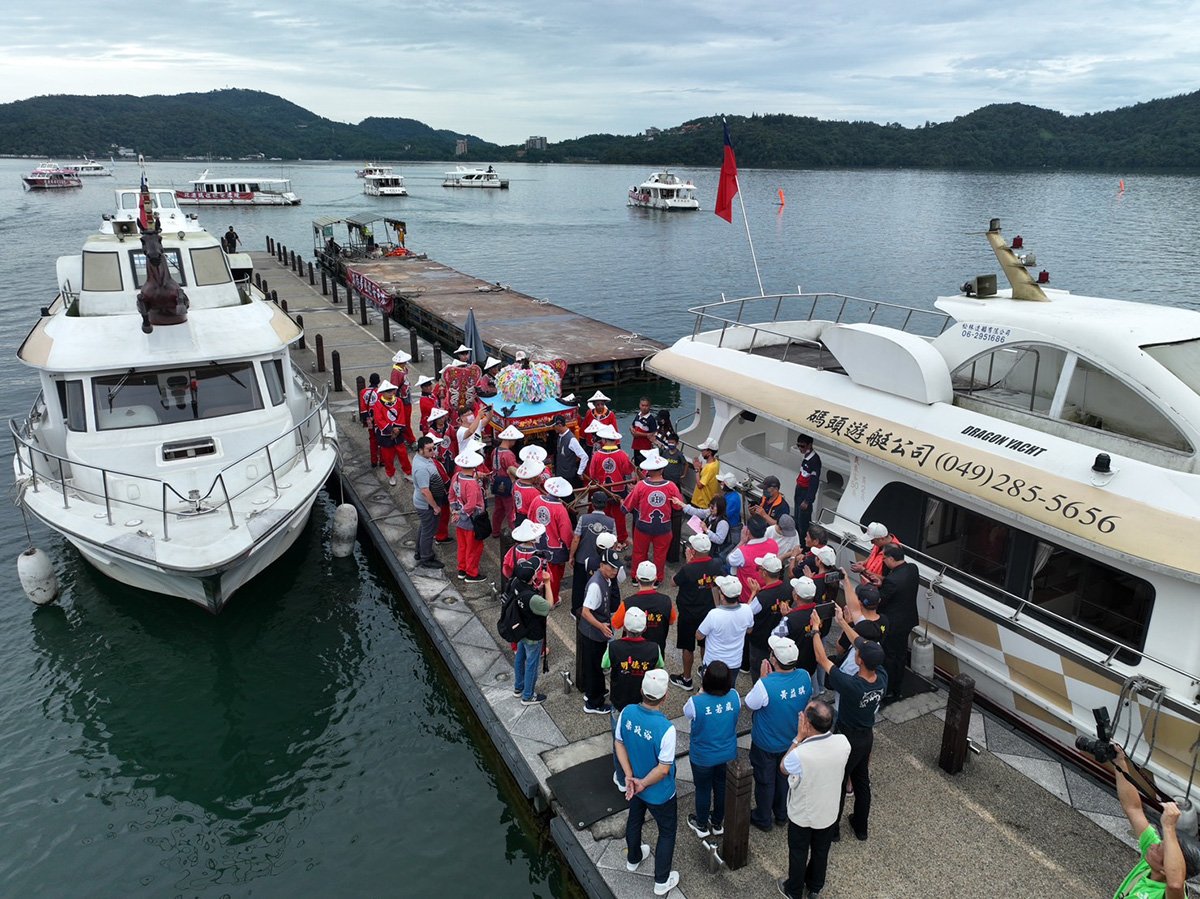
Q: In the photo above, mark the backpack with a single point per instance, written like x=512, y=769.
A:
x=510, y=626
x=501, y=481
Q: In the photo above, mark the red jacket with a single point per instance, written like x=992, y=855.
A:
x=610, y=467
x=650, y=501
x=427, y=405
x=552, y=515
x=523, y=497
x=366, y=404
x=386, y=418
x=517, y=554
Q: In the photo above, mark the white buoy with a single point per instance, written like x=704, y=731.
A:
x=1187, y=817
x=38, y=579
x=345, y=530
x=922, y=657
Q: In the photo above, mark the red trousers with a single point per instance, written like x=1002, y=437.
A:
x=389, y=454
x=374, y=446
x=644, y=544
x=470, y=550
x=614, y=511
x=443, y=528
x=556, y=576
x=503, y=513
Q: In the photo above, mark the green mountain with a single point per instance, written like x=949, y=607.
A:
x=1158, y=134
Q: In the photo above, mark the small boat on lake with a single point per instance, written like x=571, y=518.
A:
x=384, y=183
x=372, y=168
x=88, y=168
x=173, y=442
x=238, y=190
x=51, y=176
x=664, y=190
x=478, y=178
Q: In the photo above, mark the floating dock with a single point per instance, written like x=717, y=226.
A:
x=1015, y=822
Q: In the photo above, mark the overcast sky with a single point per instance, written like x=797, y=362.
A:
x=507, y=69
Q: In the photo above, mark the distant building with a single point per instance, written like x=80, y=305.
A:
x=460, y=147
x=651, y=133
x=535, y=143
x=126, y=152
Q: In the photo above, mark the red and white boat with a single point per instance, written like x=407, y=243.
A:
x=238, y=190
x=48, y=176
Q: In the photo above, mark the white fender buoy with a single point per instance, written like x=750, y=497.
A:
x=922, y=657
x=345, y=530
x=1187, y=817
x=38, y=579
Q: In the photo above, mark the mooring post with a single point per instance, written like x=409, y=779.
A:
x=739, y=788
x=283, y=305
x=412, y=346
x=300, y=325
x=335, y=296
x=275, y=297
x=320, y=353
x=279, y=250
x=360, y=384
x=350, y=301
x=437, y=360
x=257, y=280
x=956, y=731
x=362, y=309
x=270, y=245
x=324, y=284
x=266, y=290
x=336, y=358
x=292, y=260
x=387, y=327
x=312, y=281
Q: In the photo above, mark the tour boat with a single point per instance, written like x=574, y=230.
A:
x=50, y=176
x=238, y=190
x=465, y=177
x=384, y=184
x=174, y=443
x=1036, y=453
x=664, y=190
x=371, y=168
x=88, y=168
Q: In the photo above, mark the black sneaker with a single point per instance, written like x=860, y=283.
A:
x=443, y=539
x=683, y=683
x=700, y=671
x=461, y=574
x=717, y=830
x=535, y=699
x=697, y=828
x=430, y=563
x=603, y=709
x=474, y=578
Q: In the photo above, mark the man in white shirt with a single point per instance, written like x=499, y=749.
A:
x=724, y=629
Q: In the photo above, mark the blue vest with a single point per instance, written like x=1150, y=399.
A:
x=642, y=733
x=775, y=724
x=714, y=732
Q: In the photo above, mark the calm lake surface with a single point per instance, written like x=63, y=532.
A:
x=304, y=742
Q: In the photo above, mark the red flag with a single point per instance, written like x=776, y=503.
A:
x=728, y=187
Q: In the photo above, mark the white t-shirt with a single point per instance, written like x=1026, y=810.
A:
x=724, y=630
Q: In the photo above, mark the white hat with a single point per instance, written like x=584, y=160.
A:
x=435, y=414
x=528, y=531
x=784, y=648
x=709, y=444
x=635, y=620
x=568, y=399
x=653, y=463
x=729, y=586
x=385, y=386
x=474, y=444
x=654, y=683
x=453, y=363
x=647, y=571
x=606, y=540
x=520, y=354
x=491, y=362
x=700, y=543
x=532, y=453
x=826, y=555
x=608, y=432
x=530, y=468
x=559, y=487
x=424, y=379
x=462, y=348
x=594, y=427
x=401, y=357
x=597, y=397
x=510, y=433
x=875, y=530
x=771, y=563
x=727, y=477
x=469, y=459
x=804, y=587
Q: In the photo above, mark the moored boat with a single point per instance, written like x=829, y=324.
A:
x=1034, y=451
x=664, y=190
x=88, y=168
x=173, y=442
x=478, y=178
x=51, y=176
x=238, y=190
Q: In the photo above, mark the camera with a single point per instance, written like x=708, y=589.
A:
x=1100, y=747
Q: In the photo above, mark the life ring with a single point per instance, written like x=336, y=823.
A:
x=398, y=251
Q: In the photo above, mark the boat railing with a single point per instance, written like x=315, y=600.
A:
x=756, y=315
x=1022, y=609
x=290, y=448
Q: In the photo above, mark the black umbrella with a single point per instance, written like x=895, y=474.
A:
x=472, y=338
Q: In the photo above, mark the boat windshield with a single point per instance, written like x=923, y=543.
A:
x=1180, y=359
x=139, y=399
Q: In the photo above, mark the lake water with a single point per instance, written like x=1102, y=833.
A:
x=305, y=742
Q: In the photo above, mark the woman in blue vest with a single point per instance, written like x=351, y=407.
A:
x=714, y=716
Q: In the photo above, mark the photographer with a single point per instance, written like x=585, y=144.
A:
x=1161, y=871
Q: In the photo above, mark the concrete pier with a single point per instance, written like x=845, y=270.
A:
x=1015, y=822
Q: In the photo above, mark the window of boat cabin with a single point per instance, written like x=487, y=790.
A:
x=102, y=271
x=174, y=264
x=273, y=374
x=990, y=554
x=210, y=266
x=1095, y=399
x=70, y=400
x=169, y=396
x=1022, y=375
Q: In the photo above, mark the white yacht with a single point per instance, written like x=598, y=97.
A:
x=1036, y=453
x=480, y=178
x=384, y=184
x=238, y=190
x=664, y=190
x=173, y=442
x=88, y=168
x=372, y=168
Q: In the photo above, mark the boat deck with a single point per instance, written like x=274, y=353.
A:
x=1015, y=822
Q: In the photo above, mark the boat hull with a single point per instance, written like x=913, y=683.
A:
x=232, y=198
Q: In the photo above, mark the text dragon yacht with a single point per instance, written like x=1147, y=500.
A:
x=664, y=190
x=1034, y=450
x=173, y=442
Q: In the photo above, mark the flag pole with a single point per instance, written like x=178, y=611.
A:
x=753, y=256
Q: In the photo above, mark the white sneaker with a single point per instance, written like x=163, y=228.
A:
x=661, y=889
x=391, y=482
x=633, y=866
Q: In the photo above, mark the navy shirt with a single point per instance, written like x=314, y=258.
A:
x=860, y=700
